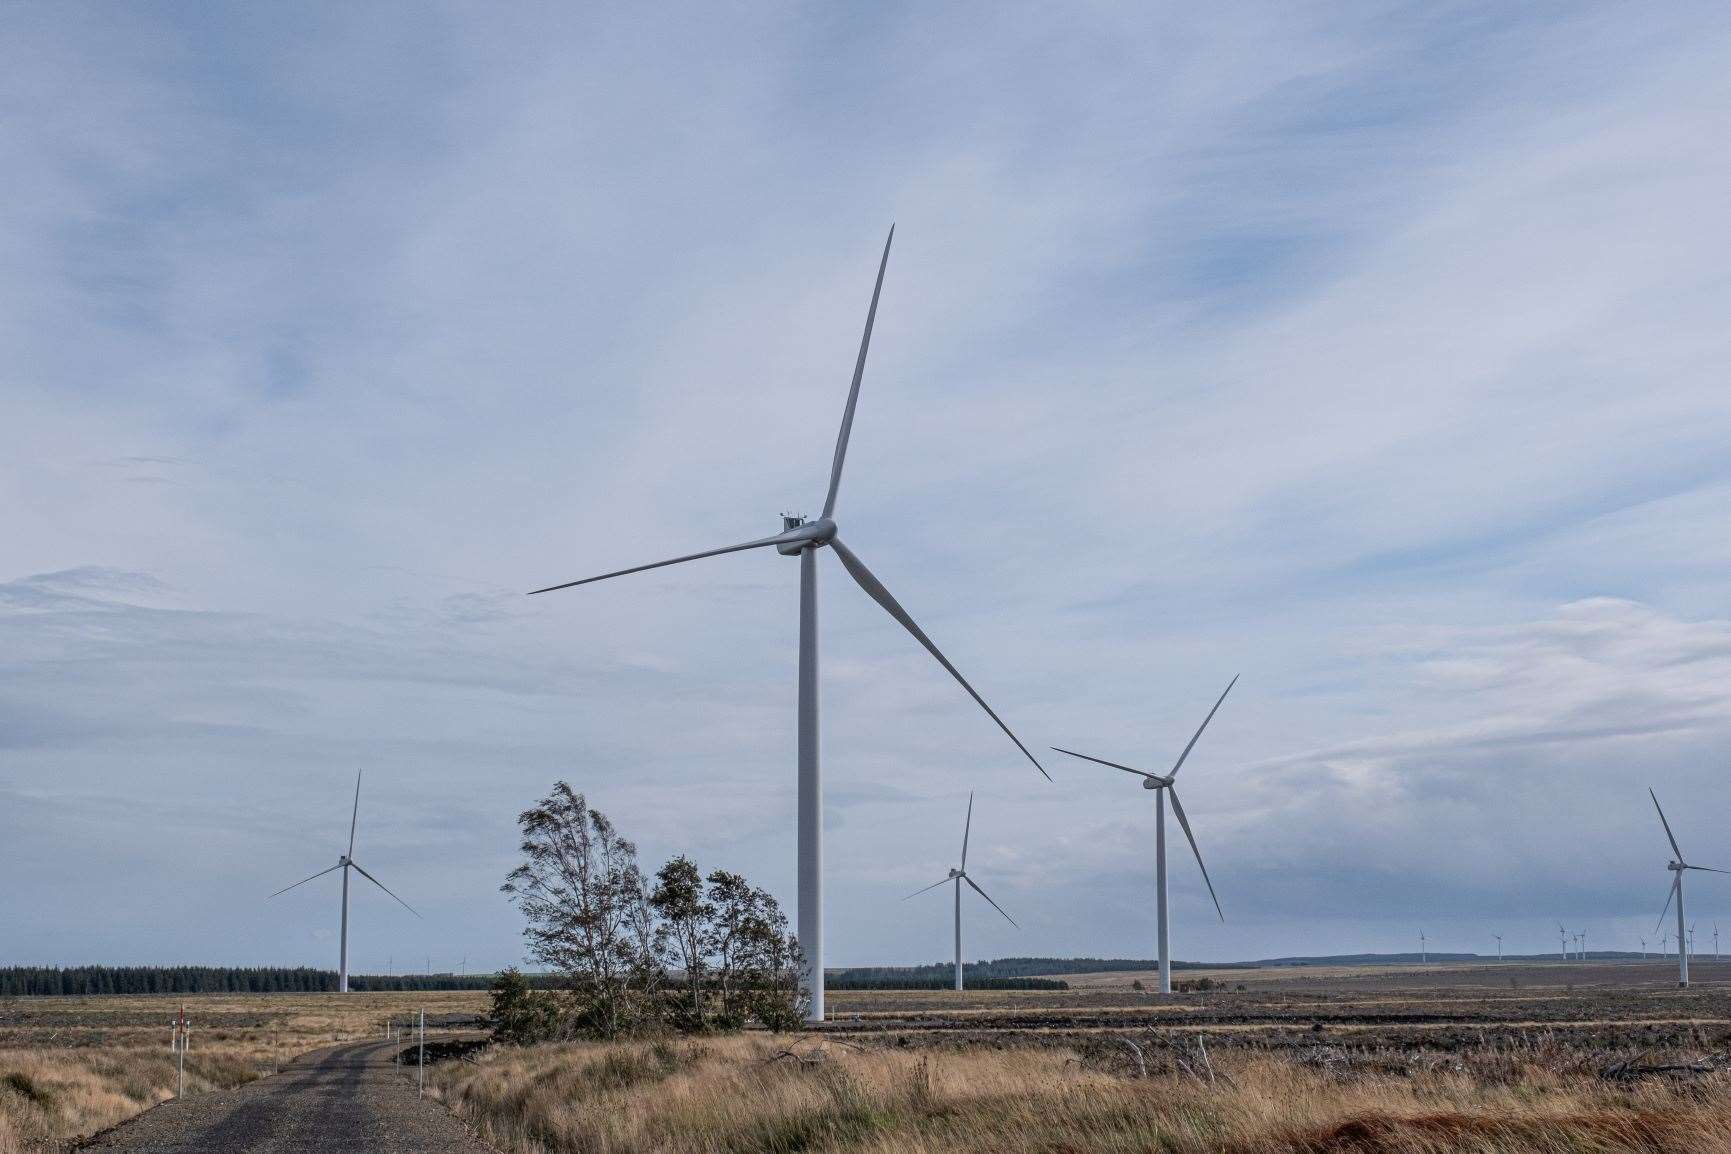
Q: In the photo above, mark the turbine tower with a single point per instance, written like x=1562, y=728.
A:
x=1643, y=949
x=1564, y=934
x=1423, y=956
x=1677, y=867
x=958, y=876
x=1161, y=787
x=346, y=863
x=1499, y=939
x=801, y=538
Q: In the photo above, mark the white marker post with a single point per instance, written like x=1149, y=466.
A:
x=180, y=1038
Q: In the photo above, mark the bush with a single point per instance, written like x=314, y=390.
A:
x=521, y=1016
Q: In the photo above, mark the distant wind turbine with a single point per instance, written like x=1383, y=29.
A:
x=1423, y=957
x=1161, y=787
x=345, y=863
x=1677, y=868
x=1499, y=939
x=801, y=538
x=1564, y=934
x=1643, y=949
x=958, y=876
x=1715, y=941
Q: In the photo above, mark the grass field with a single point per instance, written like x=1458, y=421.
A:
x=1462, y=1057
x=71, y=1066
x=1490, y=1059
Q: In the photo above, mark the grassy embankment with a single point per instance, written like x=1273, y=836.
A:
x=732, y=1094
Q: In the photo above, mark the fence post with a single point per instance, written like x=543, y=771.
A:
x=421, y=1066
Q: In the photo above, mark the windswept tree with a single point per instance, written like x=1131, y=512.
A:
x=587, y=907
x=755, y=960
x=684, y=932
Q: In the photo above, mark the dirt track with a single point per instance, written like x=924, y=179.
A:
x=348, y=1098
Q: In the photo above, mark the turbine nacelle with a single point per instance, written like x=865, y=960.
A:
x=798, y=534
x=1152, y=782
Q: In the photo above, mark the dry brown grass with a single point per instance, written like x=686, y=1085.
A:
x=71, y=1066
x=726, y=1095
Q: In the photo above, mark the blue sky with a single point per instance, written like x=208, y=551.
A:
x=1376, y=354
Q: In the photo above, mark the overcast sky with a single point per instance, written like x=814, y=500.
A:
x=1374, y=352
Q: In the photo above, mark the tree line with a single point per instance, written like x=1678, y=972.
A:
x=631, y=953
x=86, y=981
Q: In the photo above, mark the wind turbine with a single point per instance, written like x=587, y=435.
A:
x=1564, y=934
x=1161, y=787
x=1715, y=941
x=1423, y=957
x=1677, y=868
x=1581, y=945
x=801, y=538
x=959, y=876
x=1691, y=939
x=1499, y=939
x=1643, y=949
x=345, y=863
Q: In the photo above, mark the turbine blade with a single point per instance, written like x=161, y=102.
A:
x=875, y=589
x=988, y=897
x=1708, y=869
x=304, y=881
x=778, y=539
x=1204, y=725
x=865, y=341
x=382, y=886
x=933, y=886
x=1674, y=847
x=965, y=828
x=1183, y=821
x=355, y=815
x=1103, y=761
x=1676, y=881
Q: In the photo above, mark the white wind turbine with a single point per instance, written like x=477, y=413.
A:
x=345, y=863
x=801, y=538
x=958, y=876
x=1499, y=939
x=1677, y=868
x=1423, y=956
x=1643, y=949
x=1564, y=934
x=1161, y=787
x=1715, y=941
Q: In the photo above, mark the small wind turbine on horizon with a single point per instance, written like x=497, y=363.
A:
x=958, y=876
x=1499, y=939
x=1423, y=956
x=1677, y=867
x=801, y=538
x=1564, y=934
x=1643, y=949
x=345, y=863
x=1161, y=787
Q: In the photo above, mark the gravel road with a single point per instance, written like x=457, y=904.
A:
x=346, y=1098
